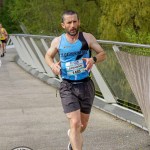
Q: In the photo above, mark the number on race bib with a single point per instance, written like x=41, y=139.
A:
x=75, y=67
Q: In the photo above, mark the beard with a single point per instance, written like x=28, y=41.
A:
x=73, y=33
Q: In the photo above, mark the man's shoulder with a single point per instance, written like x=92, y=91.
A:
x=56, y=39
x=87, y=36
x=55, y=42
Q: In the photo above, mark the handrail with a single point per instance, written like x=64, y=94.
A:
x=32, y=53
x=34, y=36
x=124, y=44
x=99, y=41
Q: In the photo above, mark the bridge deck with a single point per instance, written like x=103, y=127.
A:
x=31, y=115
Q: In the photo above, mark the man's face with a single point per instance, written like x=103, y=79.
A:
x=71, y=24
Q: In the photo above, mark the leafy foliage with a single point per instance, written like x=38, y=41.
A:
x=6, y=19
x=123, y=20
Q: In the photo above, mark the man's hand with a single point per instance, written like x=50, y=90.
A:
x=89, y=63
x=56, y=68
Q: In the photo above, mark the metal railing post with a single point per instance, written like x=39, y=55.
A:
x=108, y=96
x=26, y=53
x=36, y=61
x=18, y=48
x=47, y=69
x=46, y=48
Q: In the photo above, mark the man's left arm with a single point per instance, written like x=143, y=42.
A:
x=94, y=45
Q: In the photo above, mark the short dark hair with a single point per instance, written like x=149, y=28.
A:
x=69, y=12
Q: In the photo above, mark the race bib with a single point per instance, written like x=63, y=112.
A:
x=75, y=67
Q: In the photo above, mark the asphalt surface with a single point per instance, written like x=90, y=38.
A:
x=31, y=115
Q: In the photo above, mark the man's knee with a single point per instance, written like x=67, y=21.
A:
x=83, y=126
x=75, y=123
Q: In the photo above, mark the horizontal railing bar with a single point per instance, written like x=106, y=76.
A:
x=99, y=41
x=123, y=43
x=35, y=36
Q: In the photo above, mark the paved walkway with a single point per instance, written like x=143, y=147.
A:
x=31, y=115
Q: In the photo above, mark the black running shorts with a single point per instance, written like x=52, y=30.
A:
x=4, y=41
x=77, y=95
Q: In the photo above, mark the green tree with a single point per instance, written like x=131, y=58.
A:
x=6, y=19
x=125, y=20
x=122, y=20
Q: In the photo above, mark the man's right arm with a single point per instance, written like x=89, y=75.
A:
x=49, y=57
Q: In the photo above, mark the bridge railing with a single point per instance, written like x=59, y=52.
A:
x=108, y=76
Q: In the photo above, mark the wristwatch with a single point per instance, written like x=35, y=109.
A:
x=94, y=59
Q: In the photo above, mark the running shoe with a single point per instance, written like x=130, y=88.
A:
x=69, y=145
x=2, y=55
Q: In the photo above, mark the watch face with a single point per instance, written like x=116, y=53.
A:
x=95, y=59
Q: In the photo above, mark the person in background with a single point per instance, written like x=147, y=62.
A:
x=3, y=39
x=77, y=90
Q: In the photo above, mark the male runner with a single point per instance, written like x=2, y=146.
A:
x=3, y=39
x=77, y=89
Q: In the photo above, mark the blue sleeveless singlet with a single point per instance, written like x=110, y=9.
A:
x=71, y=54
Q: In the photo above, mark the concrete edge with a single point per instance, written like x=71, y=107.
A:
x=9, y=46
x=116, y=110
x=120, y=112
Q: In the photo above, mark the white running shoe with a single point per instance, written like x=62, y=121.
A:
x=69, y=145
